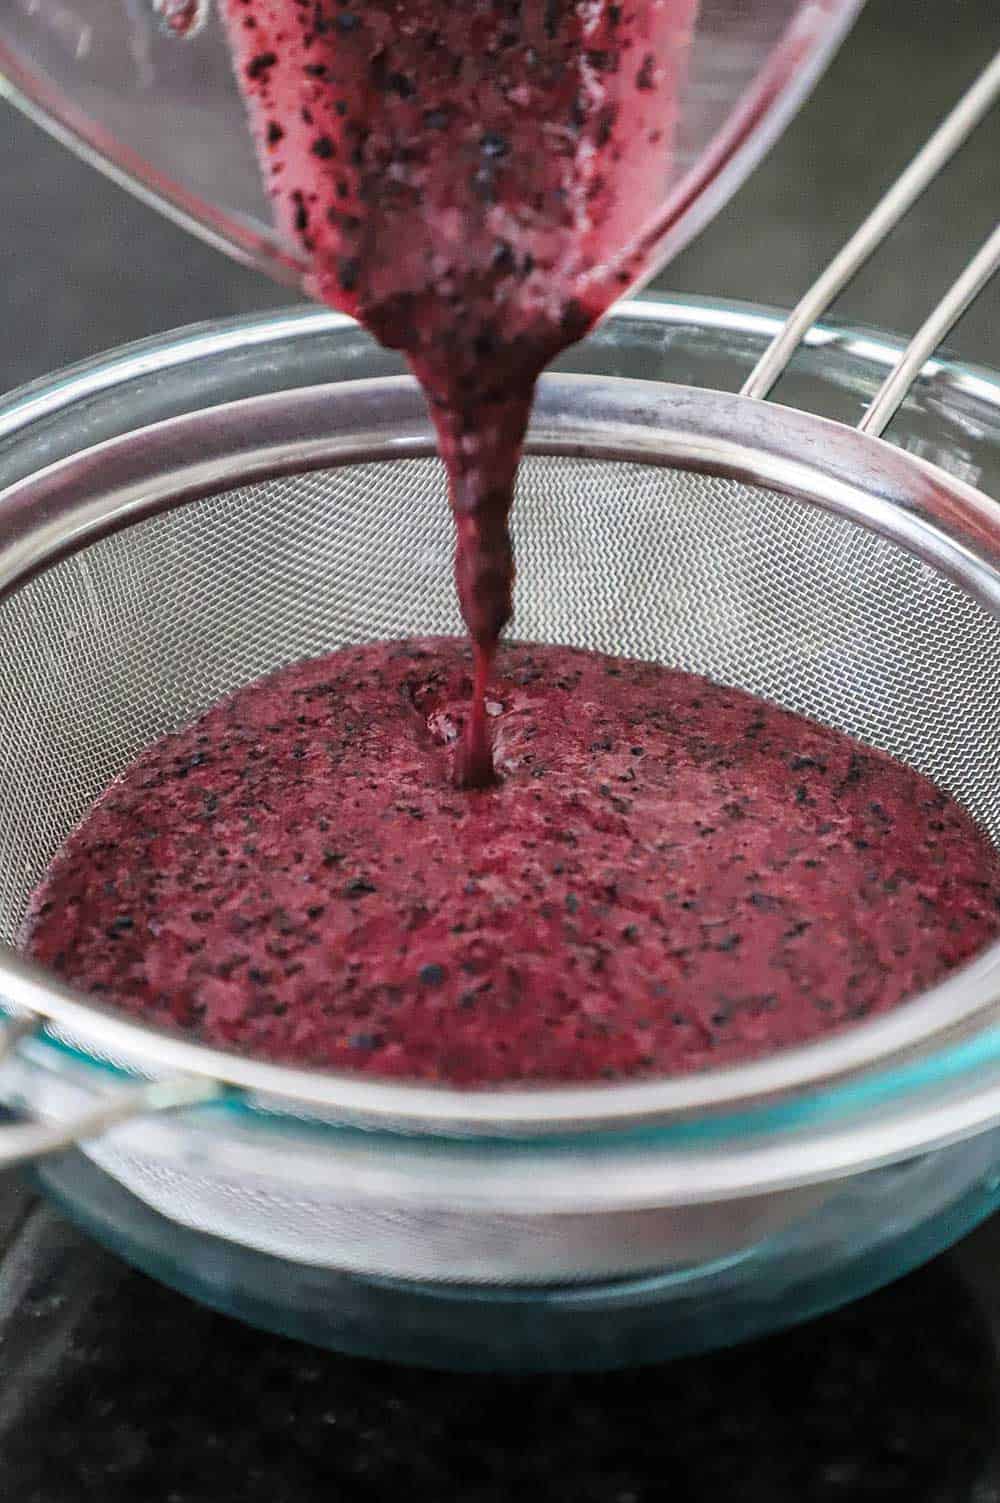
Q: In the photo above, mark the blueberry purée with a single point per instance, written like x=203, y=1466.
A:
x=447, y=130
x=534, y=931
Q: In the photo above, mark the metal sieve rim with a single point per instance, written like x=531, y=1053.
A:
x=933, y=516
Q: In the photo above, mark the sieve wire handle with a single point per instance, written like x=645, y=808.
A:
x=953, y=131
x=24, y=1142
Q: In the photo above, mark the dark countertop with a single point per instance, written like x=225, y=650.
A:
x=113, y=1388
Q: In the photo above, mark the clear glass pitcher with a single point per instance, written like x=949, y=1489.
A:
x=164, y=118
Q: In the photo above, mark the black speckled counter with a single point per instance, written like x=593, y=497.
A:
x=116, y=1389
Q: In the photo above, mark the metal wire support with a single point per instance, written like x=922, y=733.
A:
x=15, y=1027
x=930, y=334
x=24, y=1142
x=908, y=187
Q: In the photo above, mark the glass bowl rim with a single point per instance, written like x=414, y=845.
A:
x=814, y=1102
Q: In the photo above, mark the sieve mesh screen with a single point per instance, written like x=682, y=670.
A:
x=141, y=631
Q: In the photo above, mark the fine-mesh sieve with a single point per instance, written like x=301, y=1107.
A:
x=147, y=575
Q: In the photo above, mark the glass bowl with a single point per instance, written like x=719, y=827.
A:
x=790, y=1207
x=165, y=120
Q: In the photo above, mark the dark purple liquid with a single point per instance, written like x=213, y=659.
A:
x=668, y=876
x=467, y=179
